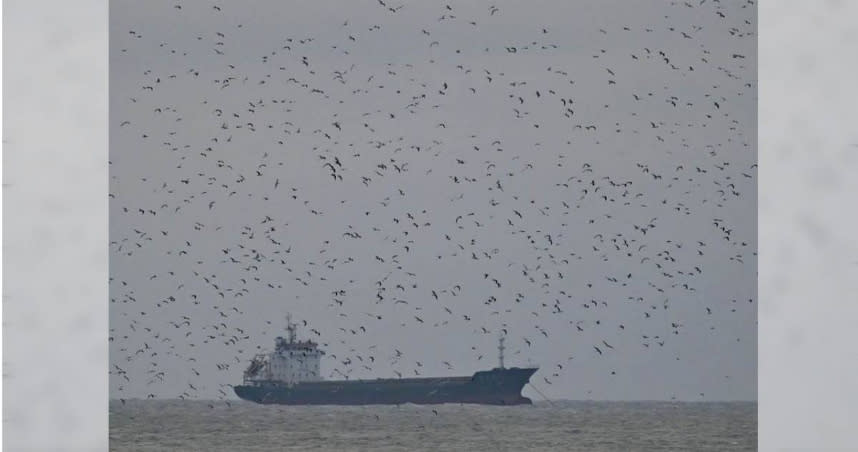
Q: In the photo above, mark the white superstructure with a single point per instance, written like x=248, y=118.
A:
x=291, y=362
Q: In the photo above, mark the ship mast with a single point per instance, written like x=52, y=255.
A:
x=290, y=327
x=500, y=351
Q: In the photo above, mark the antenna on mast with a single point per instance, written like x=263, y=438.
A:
x=290, y=327
x=500, y=350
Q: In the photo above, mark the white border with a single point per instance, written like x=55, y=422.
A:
x=1, y=214
x=55, y=225
x=808, y=266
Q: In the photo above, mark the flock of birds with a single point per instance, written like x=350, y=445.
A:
x=410, y=206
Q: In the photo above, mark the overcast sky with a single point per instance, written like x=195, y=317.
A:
x=580, y=174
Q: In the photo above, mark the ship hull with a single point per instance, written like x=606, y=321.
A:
x=493, y=387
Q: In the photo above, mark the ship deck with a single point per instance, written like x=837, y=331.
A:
x=376, y=381
x=417, y=380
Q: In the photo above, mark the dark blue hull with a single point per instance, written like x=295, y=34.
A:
x=492, y=387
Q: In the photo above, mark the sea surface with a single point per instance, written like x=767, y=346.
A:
x=175, y=425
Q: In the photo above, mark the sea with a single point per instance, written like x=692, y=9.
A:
x=193, y=425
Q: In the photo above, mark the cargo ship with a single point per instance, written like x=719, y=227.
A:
x=290, y=375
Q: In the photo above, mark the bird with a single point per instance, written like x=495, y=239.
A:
x=414, y=175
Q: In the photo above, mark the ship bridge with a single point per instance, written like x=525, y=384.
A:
x=292, y=361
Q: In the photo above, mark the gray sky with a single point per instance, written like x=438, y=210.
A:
x=673, y=96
